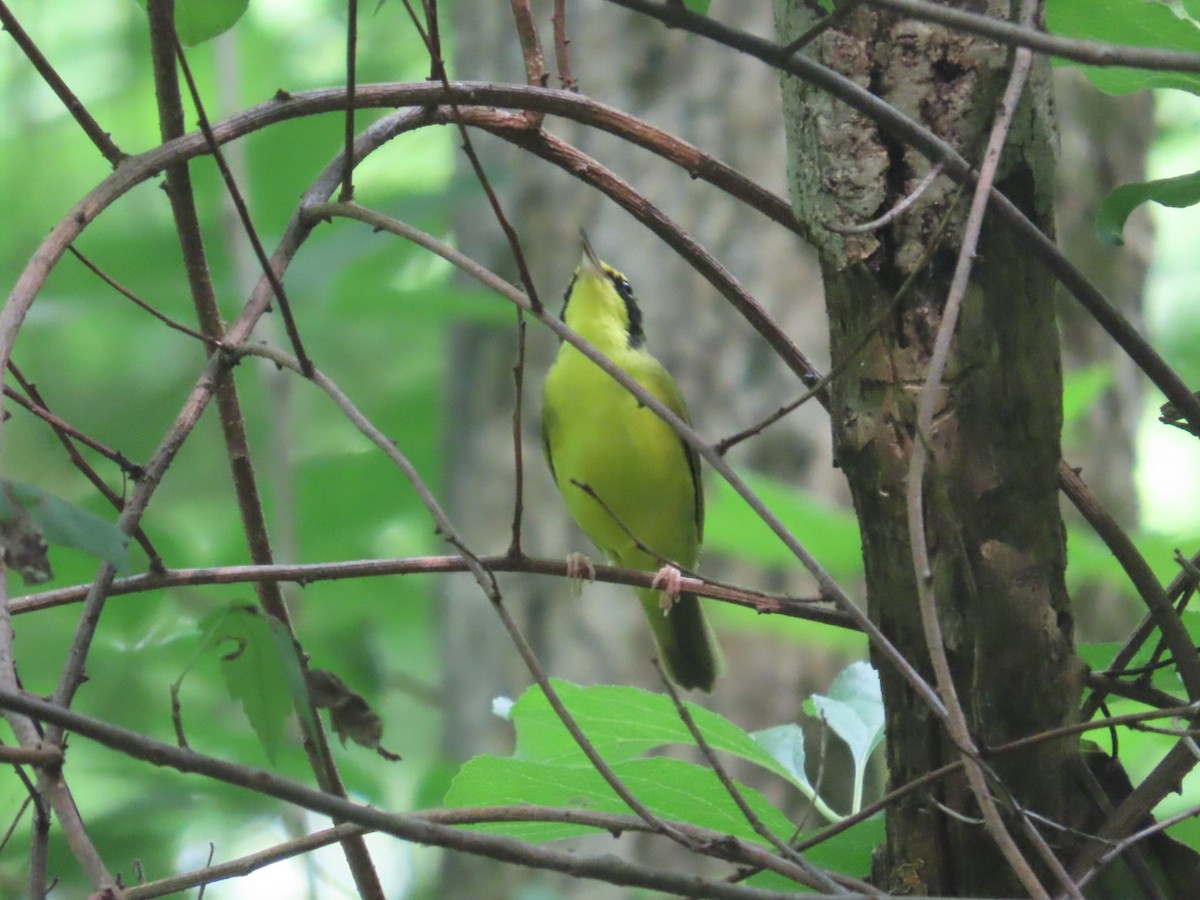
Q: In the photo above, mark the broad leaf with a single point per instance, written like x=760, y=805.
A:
x=254, y=671
x=1133, y=22
x=1178, y=192
x=196, y=21
x=64, y=524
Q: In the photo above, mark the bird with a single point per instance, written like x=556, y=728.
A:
x=629, y=480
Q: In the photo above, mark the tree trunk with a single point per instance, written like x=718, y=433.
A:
x=995, y=535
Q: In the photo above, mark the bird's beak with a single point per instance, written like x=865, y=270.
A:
x=589, y=260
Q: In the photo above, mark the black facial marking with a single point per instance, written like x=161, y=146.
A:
x=637, y=337
x=567, y=297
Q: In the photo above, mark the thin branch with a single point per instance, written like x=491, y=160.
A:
x=239, y=204
x=347, y=192
x=840, y=13
x=98, y=136
x=562, y=43
x=935, y=149
x=138, y=301
x=1140, y=575
x=468, y=148
x=829, y=588
x=735, y=793
x=303, y=574
x=531, y=45
x=895, y=212
x=1092, y=53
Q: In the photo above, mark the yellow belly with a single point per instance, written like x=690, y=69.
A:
x=633, y=461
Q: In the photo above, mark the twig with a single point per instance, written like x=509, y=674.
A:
x=347, y=192
x=895, y=212
x=1140, y=575
x=1123, y=845
x=303, y=574
x=531, y=46
x=239, y=204
x=840, y=13
x=828, y=587
x=562, y=43
x=1093, y=53
x=101, y=138
x=138, y=301
x=735, y=793
x=468, y=148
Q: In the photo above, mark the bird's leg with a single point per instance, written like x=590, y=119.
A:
x=668, y=579
x=579, y=567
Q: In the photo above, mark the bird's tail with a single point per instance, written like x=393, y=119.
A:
x=686, y=642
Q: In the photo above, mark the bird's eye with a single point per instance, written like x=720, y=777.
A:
x=624, y=288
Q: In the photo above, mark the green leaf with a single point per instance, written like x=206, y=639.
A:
x=1081, y=389
x=671, y=788
x=785, y=743
x=196, y=21
x=622, y=723
x=854, y=710
x=1131, y=22
x=254, y=670
x=1178, y=192
x=699, y=7
x=848, y=851
x=65, y=524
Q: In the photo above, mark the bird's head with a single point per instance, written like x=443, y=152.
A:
x=599, y=299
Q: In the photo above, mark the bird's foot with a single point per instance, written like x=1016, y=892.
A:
x=668, y=580
x=579, y=567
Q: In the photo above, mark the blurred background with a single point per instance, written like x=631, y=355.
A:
x=428, y=357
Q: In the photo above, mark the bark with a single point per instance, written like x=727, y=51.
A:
x=994, y=530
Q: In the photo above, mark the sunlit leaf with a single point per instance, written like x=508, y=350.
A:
x=1133, y=22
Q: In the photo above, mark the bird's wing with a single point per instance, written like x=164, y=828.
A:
x=548, y=424
x=660, y=383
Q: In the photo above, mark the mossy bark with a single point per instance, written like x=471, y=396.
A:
x=995, y=535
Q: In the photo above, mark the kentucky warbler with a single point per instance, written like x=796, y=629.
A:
x=629, y=480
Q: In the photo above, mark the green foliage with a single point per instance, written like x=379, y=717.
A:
x=1082, y=388
x=1179, y=192
x=197, y=21
x=829, y=532
x=623, y=724
x=30, y=509
x=1134, y=22
x=854, y=710
x=261, y=671
x=1141, y=24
